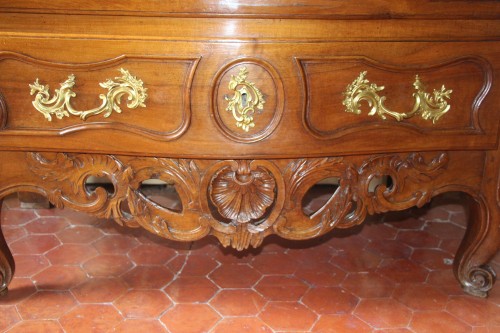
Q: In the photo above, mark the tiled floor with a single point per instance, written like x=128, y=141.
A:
x=80, y=274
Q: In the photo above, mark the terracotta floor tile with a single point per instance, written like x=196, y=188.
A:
x=37, y=326
x=191, y=289
x=311, y=252
x=445, y=280
x=378, y=231
x=47, y=225
x=405, y=223
x=13, y=233
x=432, y=258
x=421, y=297
x=437, y=321
x=59, y=278
x=241, y=325
x=8, y=317
x=19, y=290
x=190, y=318
x=238, y=302
x=115, y=244
x=80, y=234
x=46, y=305
x=274, y=263
x=440, y=214
x=294, y=286
x=142, y=303
x=383, y=313
x=281, y=288
x=320, y=273
x=138, y=325
x=90, y=318
x=151, y=254
x=389, y=248
x=192, y=265
x=350, y=244
x=71, y=254
x=402, y=270
x=34, y=244
x=368, y=285
x=18, y=217
x=445, y=230
x=227, y=255
x=357, y=262
x=28, y=265
x=107, y=265
x=148, y=277
x=474, y=311
x=418, y=239
x=330, y=300
x=450, y=245
x=288, y=316
x=235, y=276
x=100, y=290
x=341, y=324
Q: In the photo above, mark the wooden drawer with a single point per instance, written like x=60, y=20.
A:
x=186, y=111
x=72, y=97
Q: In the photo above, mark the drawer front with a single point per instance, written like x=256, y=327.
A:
x=349, y=94
x=301, y=99
x=146, y=95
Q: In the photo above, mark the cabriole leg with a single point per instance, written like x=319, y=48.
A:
x=6, y=261
x=478, y=247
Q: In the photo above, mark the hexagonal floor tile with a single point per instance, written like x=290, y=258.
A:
x=330, y=300
x=235, y=276
x=288, y=316
x=142, y=303
x=190, y=289
x=90, y=318
x=190, y=318
x=238, y=302
x=100, y=290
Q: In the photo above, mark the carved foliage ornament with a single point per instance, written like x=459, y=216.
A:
x=247, y=99
x=250, y=194
x=429, y=107
x=60, y=104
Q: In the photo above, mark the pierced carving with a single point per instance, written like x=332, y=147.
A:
x=242, y=194
x=60, y=104
x=250, y=194
x=353, y=200
x=430, y=107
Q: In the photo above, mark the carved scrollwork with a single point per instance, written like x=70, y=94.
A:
x=252, y=198
x=354, y=199
x=60, y=104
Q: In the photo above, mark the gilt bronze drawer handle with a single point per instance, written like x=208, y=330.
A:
x=60, y=104
x=245, y=100
x=430, y=107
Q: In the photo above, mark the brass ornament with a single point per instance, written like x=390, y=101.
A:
x=246, y=99
x=60, y=104
x=429, y=107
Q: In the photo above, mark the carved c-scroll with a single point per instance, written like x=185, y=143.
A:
x=253, y=198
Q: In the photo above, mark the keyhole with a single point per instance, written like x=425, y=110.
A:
x=244, y=99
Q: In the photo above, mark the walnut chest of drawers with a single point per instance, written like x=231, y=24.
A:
x=244, y=106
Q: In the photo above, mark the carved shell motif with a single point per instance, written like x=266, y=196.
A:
x=243, y=194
